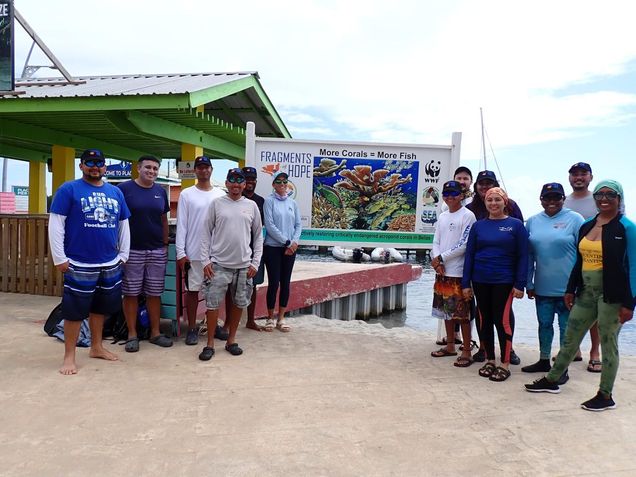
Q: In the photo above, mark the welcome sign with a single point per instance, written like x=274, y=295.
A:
x=359, y=194
x=7, y=66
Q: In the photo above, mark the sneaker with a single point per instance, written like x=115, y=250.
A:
x=541, y=366
x=564, y=378
x=192, y=337
x=543, y=386
x=479, y=356
x=514, y=359
x=599, y=403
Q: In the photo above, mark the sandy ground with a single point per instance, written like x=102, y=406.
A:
x=329, y=398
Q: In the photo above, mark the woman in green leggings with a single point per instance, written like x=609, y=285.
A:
x=602, y=287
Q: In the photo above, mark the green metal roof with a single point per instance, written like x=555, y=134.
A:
x=130, y=115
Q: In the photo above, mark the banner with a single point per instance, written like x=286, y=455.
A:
x=7, y=65
x=359, y=194
x=120, y=170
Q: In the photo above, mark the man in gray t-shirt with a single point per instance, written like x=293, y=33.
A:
x=581, y=201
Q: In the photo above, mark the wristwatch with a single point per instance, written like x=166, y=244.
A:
x=288, y=243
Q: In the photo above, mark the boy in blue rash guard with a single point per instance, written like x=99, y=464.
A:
x=496, y=264
x=553, y=236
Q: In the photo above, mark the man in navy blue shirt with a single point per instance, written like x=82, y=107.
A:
x=145, y=271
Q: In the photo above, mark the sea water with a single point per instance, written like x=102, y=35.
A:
x=420, y=298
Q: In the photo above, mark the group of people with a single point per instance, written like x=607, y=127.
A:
x=112, y=241
x=576, y=259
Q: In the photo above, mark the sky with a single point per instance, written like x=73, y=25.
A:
x=556, y=80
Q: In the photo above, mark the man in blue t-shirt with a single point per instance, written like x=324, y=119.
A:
x=145, y=270
x=89, y=239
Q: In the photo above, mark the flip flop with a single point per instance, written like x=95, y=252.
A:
x=595, y=366
x=440, y=353
x=463, y=362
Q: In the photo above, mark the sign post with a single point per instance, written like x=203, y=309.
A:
x=358, y=194
x=7, y=47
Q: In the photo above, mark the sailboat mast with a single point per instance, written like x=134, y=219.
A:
x=483, y=138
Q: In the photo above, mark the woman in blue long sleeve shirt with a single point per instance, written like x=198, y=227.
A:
x=283, y=227
x=496, y=265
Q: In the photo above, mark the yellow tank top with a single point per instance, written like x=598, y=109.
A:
x=592, y=253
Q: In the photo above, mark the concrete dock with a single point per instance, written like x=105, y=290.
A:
x=330, y=398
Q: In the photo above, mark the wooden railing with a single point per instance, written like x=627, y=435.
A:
x=25, y=258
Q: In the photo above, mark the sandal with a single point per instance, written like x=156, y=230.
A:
x=440, y=353
x=463, y=362
x=595, y=366
x=234, y=349
x=473, y=345
x=487, y=370
x=269, y=325
x=282, y=326
x=500, y=374
x=132, y=345
x=206, y=354
x=443, y=342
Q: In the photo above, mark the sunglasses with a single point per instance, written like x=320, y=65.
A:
x=281, y=181
x=608, y=195
x=552, y=198
x=450, y=193
x=94, y=163
x=235, y=180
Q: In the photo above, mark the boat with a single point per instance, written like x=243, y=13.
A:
x=355, y=255
x=386, y=255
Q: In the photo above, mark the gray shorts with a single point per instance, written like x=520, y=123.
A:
x=145, y=272
x=240, y=287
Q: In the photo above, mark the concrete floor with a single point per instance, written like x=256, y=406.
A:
x=328, y=399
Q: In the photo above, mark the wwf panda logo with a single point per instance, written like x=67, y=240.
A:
x=433, y=168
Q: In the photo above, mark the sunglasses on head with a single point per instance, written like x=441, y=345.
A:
x=235, y=180
x=608, y=195
x=281, y=181
x=94, y=163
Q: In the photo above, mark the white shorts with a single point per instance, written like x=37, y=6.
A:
x=194, y=276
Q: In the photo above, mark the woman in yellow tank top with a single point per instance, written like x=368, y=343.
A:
x=602, y=287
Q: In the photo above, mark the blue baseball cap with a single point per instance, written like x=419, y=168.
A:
x=202, y=161
x=486, y=175
x=552, y=188
x=581, y=165
x=235, y=172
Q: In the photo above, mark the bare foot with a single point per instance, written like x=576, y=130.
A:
x=253, y=326
x=103, y=353
x=68, y=367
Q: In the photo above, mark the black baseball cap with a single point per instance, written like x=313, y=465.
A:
x=463, y=169
x=202, y=161
x=552, y=188
x=486, y=175
x=92, y=154
x=235, y=172
x=581, y=165
x=452, y=186
x=249, y=172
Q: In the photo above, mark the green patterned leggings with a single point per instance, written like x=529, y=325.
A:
x=588, y=308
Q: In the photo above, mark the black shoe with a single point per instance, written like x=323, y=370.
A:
x=221, y=334
x=161, y=340
x=599, y=403
x=514, y=359
x=541, y=366
x=234, y=349
x=479, y=356
x=192, y=337
x=543, y=386
x=206, y=354
x=564, y=378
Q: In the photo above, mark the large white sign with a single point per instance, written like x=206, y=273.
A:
x=359, y=194
x=185, y=170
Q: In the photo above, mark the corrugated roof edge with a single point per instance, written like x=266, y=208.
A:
x=38, y=81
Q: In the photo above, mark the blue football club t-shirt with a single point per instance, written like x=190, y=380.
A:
x=147, y=205
x=92, y=216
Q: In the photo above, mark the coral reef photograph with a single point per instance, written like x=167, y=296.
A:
x=363, y=194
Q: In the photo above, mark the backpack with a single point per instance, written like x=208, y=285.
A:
x=54, y=318
x=115, y=325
